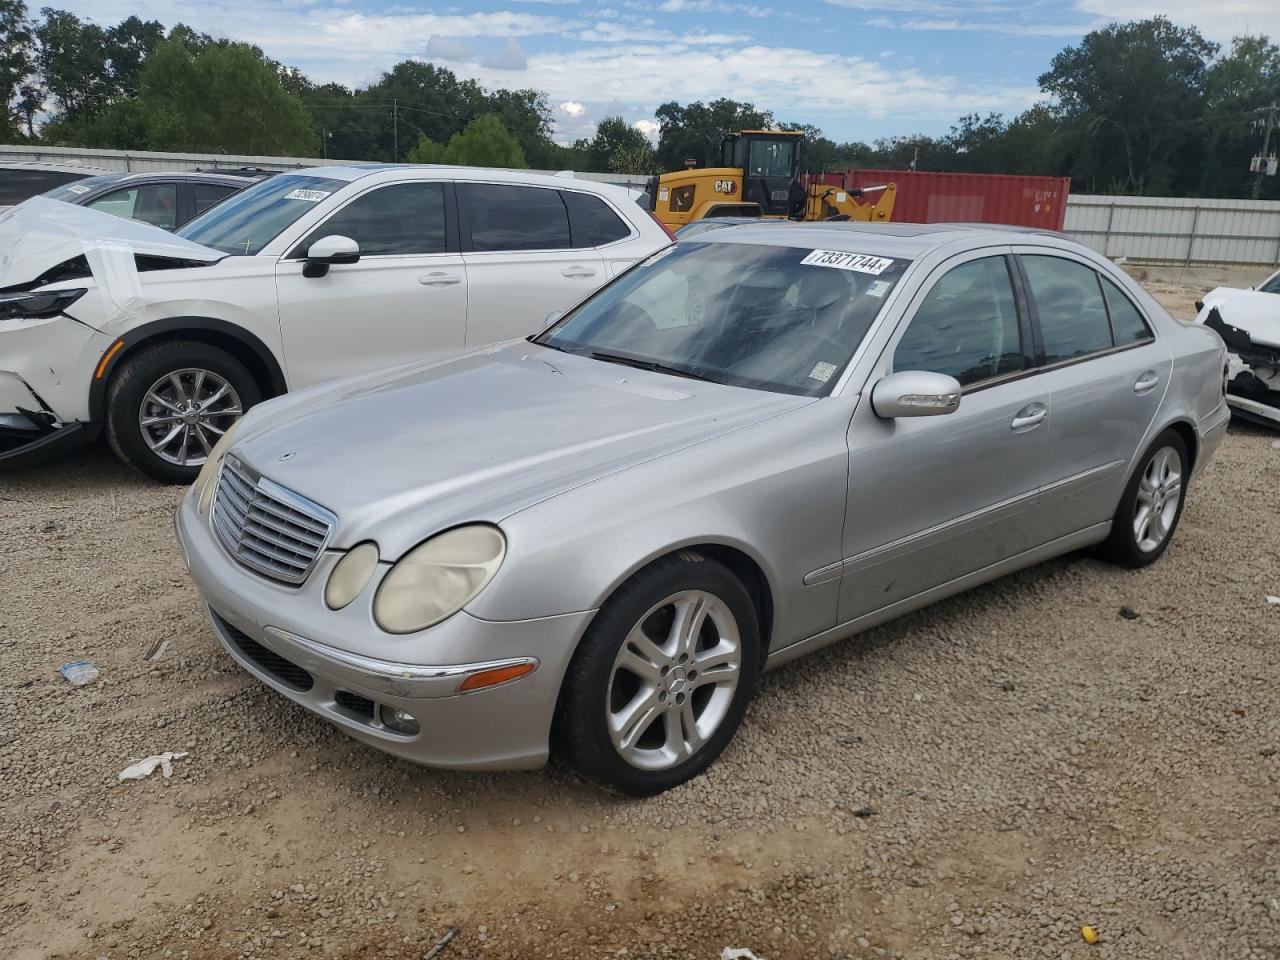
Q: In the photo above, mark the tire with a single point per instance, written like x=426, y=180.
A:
x=1132, y=543
x=161, y=383
x=649, y=749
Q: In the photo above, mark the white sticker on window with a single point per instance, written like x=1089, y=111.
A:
x=311, y=196
x=78, y=189
x=822, y=371
x=860, y=262
x=878, y=288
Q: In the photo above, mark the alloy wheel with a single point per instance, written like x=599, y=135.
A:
x=185, y=412
x=673, y=680
x=1159, y=493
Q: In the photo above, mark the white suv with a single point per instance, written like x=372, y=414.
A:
x=166, y=340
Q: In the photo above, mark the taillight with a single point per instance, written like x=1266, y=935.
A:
x=665, y=228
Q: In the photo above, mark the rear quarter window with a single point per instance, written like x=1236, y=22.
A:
x=592, y=222
x=1126, y=321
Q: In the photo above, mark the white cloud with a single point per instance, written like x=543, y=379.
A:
x=609, y=32
x=447, y=48
x=649, y=128
x=1217, y=19
x=511, y=57
x=715, y=6
x=572, y=108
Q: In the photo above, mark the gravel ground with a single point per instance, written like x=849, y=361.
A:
x=979, y=779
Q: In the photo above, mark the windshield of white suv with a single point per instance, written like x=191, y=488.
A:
x=785, y=319
x=248, y=221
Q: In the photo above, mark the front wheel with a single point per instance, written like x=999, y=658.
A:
x=170, y=403
x=1151, y=506
x=661, y=681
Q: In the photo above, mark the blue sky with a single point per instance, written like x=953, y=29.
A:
x=859, y=69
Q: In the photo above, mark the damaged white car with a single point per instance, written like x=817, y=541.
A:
x=1249, y=323
x=165, y=340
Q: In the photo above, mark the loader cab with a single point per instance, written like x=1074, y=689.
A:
x=769, y=160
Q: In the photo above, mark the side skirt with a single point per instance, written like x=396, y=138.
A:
x=1054, y=548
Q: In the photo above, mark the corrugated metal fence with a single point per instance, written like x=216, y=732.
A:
x=1165, y=230
x=1154, y=229
x=136, y=161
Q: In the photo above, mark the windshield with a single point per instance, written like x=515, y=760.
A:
x=770, y=158
x=248, y=221
x=72, y=192
x=1271, y=284
x=785, y=319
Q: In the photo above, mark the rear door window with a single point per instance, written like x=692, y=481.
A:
x=1072, y=314
x=400, y=220
x=967, y=325
x=506, y=217
x=592, y=222
x=1126, y=322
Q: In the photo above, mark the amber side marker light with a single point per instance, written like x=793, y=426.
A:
x=106, y=358
x=490, y=678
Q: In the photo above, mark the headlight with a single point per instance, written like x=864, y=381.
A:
x=435, y=580
x=350, y=575
x=35, y=305
x=208, y=473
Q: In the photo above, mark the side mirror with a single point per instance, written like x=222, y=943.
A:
x=327, y=251
x=552, y=317
x=915, y=393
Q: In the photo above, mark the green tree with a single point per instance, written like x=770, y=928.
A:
x=72, y=59
x=1238, y=87
x=17, y=58
x=1130, y=97
x=615, y=136
x=128, y=45
x=223, y=97
x=694, y=132
x=485, y=142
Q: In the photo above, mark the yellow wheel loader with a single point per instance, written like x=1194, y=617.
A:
x=757, y=177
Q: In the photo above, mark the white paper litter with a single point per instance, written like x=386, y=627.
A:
x=1274, y=601
x=738, y=953
x=144, y=768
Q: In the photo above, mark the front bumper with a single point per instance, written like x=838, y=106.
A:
x=290, y=641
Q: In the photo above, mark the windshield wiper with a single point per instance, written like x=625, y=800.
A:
x=653, y=366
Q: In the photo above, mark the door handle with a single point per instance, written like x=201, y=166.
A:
x=1030, y=416
x=439, y=279
x=577, y=272
x=1146, y=382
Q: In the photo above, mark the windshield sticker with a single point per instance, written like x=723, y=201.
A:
x=77, y=189
x=859, y=262
x=822, y=371
x=878, y=288
x=311, y=196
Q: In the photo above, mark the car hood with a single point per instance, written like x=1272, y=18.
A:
x=42, y=233
x=1254, y=312
x=401, y=454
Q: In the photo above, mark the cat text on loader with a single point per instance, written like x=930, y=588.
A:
x=757, y=178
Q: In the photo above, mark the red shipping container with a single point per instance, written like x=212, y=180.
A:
x=925, y=197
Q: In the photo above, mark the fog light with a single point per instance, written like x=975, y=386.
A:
x=398, y=720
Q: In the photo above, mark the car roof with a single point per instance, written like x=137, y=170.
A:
x=412, y=171
x=189, y=176
x=906, y=240
x=54, y=167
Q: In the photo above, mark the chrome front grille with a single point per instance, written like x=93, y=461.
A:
x=267, y=527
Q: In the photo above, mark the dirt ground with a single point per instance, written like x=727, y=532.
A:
x=979, y=779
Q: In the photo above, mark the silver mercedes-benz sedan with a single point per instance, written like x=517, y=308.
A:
x=589, y=544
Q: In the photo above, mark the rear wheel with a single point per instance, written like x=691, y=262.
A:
x=170, y=403
x=1151, y=506
x=661, y=681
